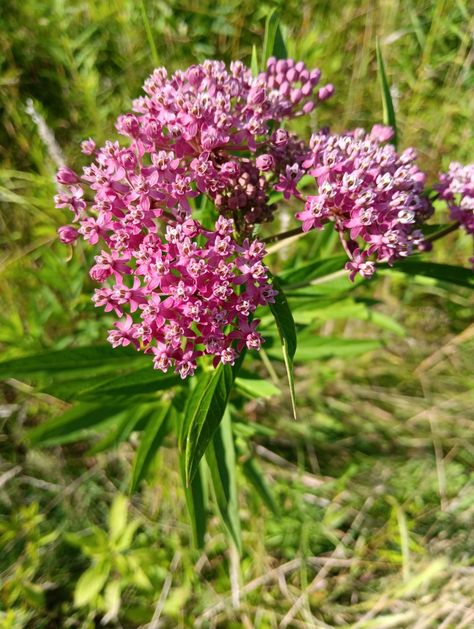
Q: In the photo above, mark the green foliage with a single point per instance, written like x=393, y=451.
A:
x=117, y=562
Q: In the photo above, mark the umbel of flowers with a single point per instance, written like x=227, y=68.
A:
x=181, y=290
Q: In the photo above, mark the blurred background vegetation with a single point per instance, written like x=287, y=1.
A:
x=374, y=483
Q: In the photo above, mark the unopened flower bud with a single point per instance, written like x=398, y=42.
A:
x=265, y=162
x=67, y=234
x=326, y=92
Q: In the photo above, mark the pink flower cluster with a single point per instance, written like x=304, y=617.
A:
x=373, y=195
x=179, y=290
x=456, y=187
x=194, y=290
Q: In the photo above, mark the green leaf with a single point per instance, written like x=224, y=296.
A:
x=316, y=347
x=125, y=540
x=122, y=429
x=198, y=385
x=254, y=63
x=388, y=108
x=74, y=424
x=104, y=356
x=112, y=600
x=118, y=517
x=254, y=475
x=220, y=456
x=151, y=440
x=146, y=380
x=91, y=582
x=273, y=43
x=255, y=388
x=149, y=34
x=287, y=331
x=443, y=272
x=204, y=412
x=279, y=47
x=196, y=502
x=314, y=270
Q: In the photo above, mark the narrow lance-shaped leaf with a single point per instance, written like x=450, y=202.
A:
x=254, y=475
x=75, y=424
x=279, y=47
x=388, y=108
x=220, y=456
x=198, y=385
x=255, y=387
x=102, y=356
x=273, y=43
x=312, y=347
x=306, y=273
x=151, y=440
x=442, y=272
x=196, y=501
x=203, y=415
x=122, y=429
x=204, y=411
x=286, y=329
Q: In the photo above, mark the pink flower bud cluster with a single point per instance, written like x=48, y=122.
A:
x=456, y=187
x=373, y=195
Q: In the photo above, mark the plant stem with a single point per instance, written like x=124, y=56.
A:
x=443, y=232
x=283, y=235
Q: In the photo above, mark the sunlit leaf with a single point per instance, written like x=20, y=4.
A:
x=256, y=387
x=203, y=414
x=118, y=517
x=91, y=582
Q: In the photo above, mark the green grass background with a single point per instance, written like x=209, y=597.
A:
x=375, y=480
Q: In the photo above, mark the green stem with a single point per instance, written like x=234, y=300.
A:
x=149, y=34
x=443, y=232
x=283, y=235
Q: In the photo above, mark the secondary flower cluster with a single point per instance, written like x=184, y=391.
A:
x=456, y=187
x=373, y=195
